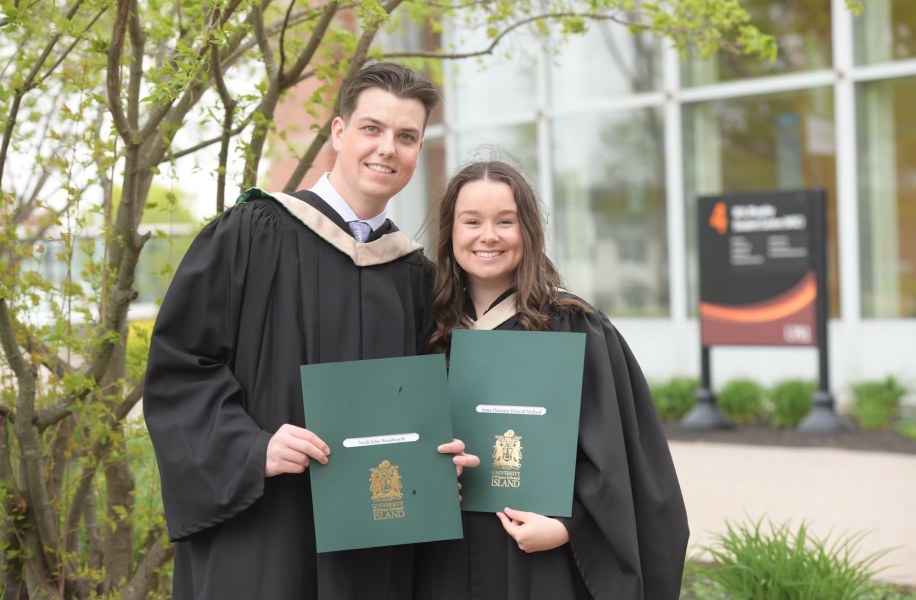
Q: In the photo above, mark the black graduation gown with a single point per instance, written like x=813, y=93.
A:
x=628, y=530
x=259, y=293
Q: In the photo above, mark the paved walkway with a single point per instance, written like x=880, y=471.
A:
x=833, y=491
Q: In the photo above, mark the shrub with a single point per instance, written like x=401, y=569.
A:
x=697, y=585
x=906, y=428
x=138, y=344
x=790, y=401
x=742, y=401
x=877, y=403
x=674, y=398
x=780, y=564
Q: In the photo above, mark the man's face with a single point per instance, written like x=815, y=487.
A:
x=378, y=148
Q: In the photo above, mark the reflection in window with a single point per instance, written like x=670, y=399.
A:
x=158, y=261
x=609, y=189
x=629, y=62
x=514, y=145
x=493, y=87
x=635, y=251
x=887, y=197
x=779, y=141
x=885, y=31
x=410, y=209
x=59, y=262
x=803, y=35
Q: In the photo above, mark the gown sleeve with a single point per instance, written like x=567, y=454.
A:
x=211, y=453
x=628, y=531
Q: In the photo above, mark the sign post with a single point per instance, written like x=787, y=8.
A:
x=763, y=282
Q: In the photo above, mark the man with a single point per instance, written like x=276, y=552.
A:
x=275, y=282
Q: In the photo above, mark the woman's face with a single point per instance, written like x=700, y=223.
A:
x=486, y=234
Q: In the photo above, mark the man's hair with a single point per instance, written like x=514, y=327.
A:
x=394, y=78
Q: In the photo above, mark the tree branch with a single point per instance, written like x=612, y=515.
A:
x=124, y=406
x=119, y=499
x=502, y=34
x=206, y=143
x=115, y=50
x=54, y=413
x=164, y=112
x=30, y=458
x=36, y=347
x=9, y=344
x=80, y=496
x=13, y=506
x=7, y=474
x=229, y=104
x=280, y=81
x=308, y=159
x=306, y=56
x=76, y=40
x=360, y=55
x=159, y=552
x=270, y=31
x=282, y=43
x=137, y=46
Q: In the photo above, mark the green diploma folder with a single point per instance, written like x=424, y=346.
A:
x=515, y=402
x=385, y=483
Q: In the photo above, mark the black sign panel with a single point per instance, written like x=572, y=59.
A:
x=761, y=268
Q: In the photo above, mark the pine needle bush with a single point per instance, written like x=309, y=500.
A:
x=754, y=562
x=743, y=401
x=790, y=401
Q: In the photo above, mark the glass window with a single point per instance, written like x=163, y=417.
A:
x=887, y=197
x=611, y=244
x=630, y=63
x=403, y=34
x=158, y=261
x=885, y=31
x=803, y=34
x=778, y=141
x=496, y=87
x=516, y=145
x=410, y=209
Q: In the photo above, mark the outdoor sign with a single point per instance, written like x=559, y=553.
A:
x=761, y=268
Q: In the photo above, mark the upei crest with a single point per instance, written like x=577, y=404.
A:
x=507, y=451
x=507, y=461
x=385, y=482
x=385, y=486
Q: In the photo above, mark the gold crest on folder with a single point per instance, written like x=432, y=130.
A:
x=385, y=485
x=507, y=460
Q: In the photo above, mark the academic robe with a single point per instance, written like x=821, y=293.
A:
x=275, y=282
x=628, y=530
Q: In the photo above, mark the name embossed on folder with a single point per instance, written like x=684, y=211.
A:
x=507, y=409
x=377, y=440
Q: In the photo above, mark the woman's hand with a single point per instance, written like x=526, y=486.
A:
x=533, y=532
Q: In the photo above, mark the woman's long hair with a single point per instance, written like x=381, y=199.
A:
x=537, y=281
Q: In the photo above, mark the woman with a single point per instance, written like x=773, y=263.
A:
x=627, y=536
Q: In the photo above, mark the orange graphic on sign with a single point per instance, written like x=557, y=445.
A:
x=718, y=220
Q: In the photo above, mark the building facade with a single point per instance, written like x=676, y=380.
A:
x=620, y=135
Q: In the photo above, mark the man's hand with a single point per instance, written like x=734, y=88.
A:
x=289, y=450
x=461, y=458
x=533, y=532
